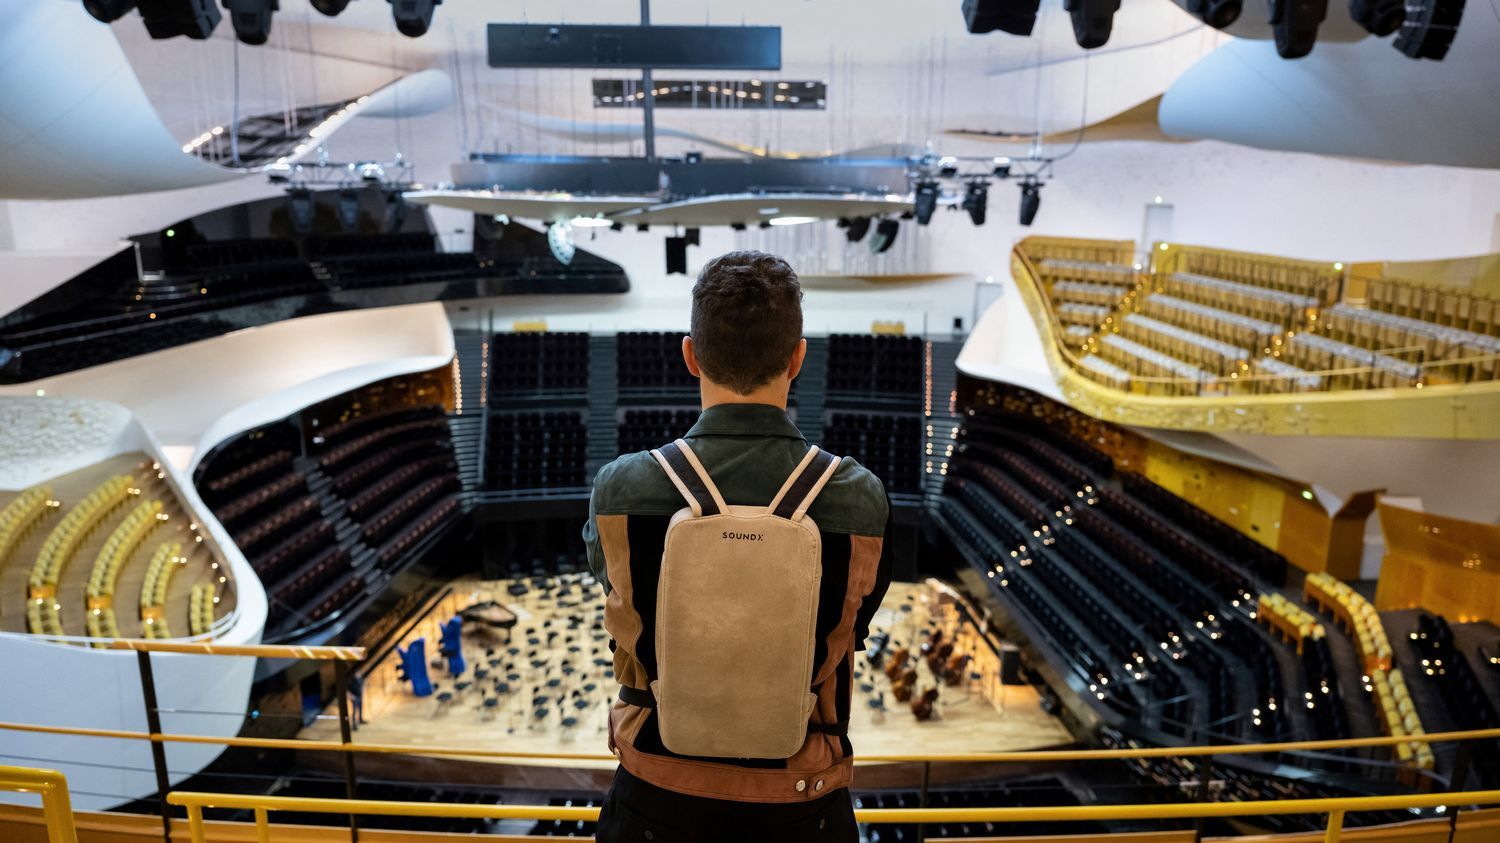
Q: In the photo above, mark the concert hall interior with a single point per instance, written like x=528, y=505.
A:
x=319, y=319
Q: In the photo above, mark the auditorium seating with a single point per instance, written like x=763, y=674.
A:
x=538, y=362
x=886, y=443
x=118, y=549
x=70, y=532
x=21, y=515
x=1454, y=307
x=531, y=450
x=875, y=365
x=1094, y=565
x=1293, y=623
x=1446, y=669
x=164, y=563
x=1040, y=791
x=648, y=361
x=650, y=428
x=370, y=489
x=202, y=605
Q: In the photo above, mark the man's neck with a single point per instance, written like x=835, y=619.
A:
x=773, y=393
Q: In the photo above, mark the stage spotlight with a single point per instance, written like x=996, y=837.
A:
x=1092, y=20
x=1429, y=27
x=1031, y=199
x=1378, y=17
x=857, y=229
x=413, y=16
x=677, y=255
x=884, y=236
x=560, y=241
x=300, y=209
x=1002, y=168
x=1216, y=13
x=349, y=209
x=252, y=19
x=926, y=201
x=948, y=166
x=976, y=200
x=1295, y=25
x=738, y=226
x=108, y=11
x=170, y=18
x=330, y=7
x=1014, y=16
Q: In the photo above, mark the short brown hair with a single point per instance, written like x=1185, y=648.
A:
x=747, y=319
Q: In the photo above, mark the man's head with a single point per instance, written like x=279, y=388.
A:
x=747, y=322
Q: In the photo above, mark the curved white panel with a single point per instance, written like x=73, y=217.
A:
x=59, y=684
x=74, y=121
x=180, y=393
x=421, y=93
x=1364, y=100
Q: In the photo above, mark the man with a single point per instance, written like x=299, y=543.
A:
x=745, y=348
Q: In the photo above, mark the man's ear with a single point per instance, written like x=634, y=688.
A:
x=691, y=359
x=799, y=355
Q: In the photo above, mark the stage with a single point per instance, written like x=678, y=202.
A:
x=544, y=687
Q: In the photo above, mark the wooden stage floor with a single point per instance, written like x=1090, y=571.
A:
x=551, y=682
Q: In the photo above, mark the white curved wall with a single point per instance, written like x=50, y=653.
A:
x=179, y=393
x=57, y=684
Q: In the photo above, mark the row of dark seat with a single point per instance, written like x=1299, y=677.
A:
x=1250, y=554
x=875, y=364
x=392, y=472
x=1122, y=567
x=641, y=430
x=527, y=363
x=889, y=444
x=1444, y=668
x=527, y=450
x=651, y=360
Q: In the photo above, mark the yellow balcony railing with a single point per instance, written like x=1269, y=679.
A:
x=1335, y=808
x=52, y=786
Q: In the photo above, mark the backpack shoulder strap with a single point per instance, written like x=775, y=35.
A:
x=807, y=480
x=690, y=478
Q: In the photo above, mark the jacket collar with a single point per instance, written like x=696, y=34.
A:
x=744, y=420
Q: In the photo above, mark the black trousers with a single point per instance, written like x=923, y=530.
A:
x=636, y=812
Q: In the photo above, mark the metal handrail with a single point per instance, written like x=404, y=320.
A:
x=263, y=651
x=1041, y=755
x=57, y=805
x=1335, y=807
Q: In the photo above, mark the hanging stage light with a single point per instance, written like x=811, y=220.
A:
x=1031, y=199
x=1092, y=20
x=329, y=7
x=170, y=18
x=1378, y=17
x=977, y=199
x=1294, y=23
x=885, y=235
x=413, y=16
x=926, y=201
x=108, y=11
x=252, y=19
x=1216, y=13
x=1428, y=28
x=857, y=229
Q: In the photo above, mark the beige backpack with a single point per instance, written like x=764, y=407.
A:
x=736, y=614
